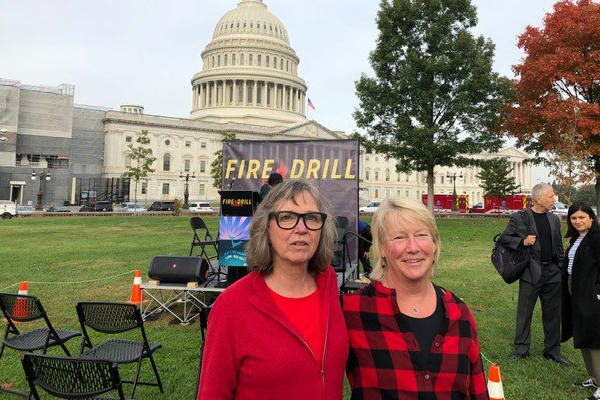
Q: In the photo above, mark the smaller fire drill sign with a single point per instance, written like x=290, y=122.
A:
x=331, y=165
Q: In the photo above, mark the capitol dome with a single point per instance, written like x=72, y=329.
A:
x=249, y=71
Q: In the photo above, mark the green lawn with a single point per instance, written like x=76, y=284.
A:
x=56, y=251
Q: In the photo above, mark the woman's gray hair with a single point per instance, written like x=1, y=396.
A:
x=386, y=217
x=259, y=253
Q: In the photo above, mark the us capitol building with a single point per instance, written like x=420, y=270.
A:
x=248, y=85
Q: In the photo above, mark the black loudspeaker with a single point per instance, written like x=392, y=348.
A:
x=176, y=269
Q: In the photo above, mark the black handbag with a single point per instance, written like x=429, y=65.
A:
x=510, y=263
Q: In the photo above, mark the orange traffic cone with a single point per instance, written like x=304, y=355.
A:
x=495, y=388
x=136, y=290
x=20, y=310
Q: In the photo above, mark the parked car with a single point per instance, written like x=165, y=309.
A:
x=162, y=206
x=200, y=207
x=477, y=208
x=370, y=208
x=62, y=209
x=8, y=209
x=132, y=207
x=87, y=208
x=25, y=210
x=560, y=208
x=103, y=205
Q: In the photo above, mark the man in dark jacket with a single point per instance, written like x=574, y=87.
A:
x=364, y=245
x=274, y=179
x=541, y=278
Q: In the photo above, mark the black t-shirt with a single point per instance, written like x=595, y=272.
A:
x=545, y=235
x=425, y=329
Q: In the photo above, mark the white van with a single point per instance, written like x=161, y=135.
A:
x=8, y=209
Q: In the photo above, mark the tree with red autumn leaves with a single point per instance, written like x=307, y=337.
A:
x=556, y=104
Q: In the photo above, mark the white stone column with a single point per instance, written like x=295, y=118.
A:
x=235, y=92
x=194, y=102
x=245, y=96
x=214, y=93
x=254, y=91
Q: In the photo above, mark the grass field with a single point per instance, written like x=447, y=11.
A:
x=52, y=253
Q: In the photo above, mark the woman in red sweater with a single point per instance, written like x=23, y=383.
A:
x=278, y=333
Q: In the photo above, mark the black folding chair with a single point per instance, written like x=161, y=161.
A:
x=71, y=378
x=113, y=318
x=203, y=239
x=201, y=231
x=24, y=308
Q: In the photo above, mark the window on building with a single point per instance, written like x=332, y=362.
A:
x=167, y=162
x=188, y=143
x=186, y=165
x=144, y=187
x=441, y=178
x=202, y=165
x=127, y=161
x=225, y=60
x=367, y=175
x=202, y=190
x=407, y=177
x=165, y=188
x=167, y=142
x=18, y=159
x=387, y=175
x=408, y=193
x=376, y=175
x=249, y=92
x=128, y=139
x=250, y=59
x=202, y=145
x=376, y=193
x=233, y=59
x=259, y=60
x=366, y=158
x=34, y=160
x=219, y=60
x=242, y=59
x=267, y=62
x=274, y=62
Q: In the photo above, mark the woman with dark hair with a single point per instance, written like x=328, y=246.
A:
x=581, y=290
x=278, y=333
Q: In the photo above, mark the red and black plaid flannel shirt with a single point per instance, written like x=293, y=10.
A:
x=384, y=360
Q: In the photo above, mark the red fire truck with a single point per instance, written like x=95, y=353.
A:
x=442, y=203
x=509, y=204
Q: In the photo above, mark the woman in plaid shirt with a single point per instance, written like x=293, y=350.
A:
x=409, y=338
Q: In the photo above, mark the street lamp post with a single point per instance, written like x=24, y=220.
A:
x=43, y=176
x=186, y=192
x=453, y=176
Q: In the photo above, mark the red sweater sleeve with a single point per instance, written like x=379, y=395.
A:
x=218, y=375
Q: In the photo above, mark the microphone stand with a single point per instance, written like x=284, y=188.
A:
x=346, y=251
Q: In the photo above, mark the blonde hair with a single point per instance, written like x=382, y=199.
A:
x=259, y=253
x=387, y=215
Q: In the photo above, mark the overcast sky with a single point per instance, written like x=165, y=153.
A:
x=146, y=52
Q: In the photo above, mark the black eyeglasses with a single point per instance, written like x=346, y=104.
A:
x=289, y=219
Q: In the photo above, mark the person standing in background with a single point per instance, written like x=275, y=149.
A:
x=581, y=291
x=541, y=277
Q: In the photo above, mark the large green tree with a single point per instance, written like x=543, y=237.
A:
x=434, y=96
x=216, y=167
x=556, y=106
x=495, y=178
x=141, y=161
